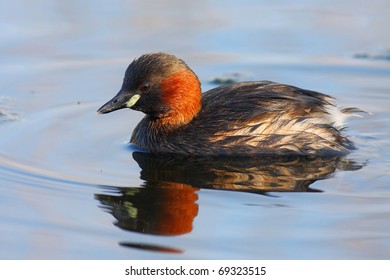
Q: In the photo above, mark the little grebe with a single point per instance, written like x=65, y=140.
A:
x=243, y=118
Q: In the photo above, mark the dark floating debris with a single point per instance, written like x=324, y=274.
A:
x=6, y=114
x=229, y=78
x=383, y=55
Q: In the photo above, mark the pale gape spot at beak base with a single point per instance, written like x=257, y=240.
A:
x=133, y=100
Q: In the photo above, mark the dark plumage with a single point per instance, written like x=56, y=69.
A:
x=244, y=118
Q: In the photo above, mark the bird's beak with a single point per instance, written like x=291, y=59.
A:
x=120, y=101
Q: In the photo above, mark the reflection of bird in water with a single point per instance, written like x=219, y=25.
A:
x=166, y=203
x=260, y=175
x=167, y=209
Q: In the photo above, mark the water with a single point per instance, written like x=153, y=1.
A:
x=71, y=188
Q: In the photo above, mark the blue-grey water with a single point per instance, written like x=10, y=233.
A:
x=71, y=188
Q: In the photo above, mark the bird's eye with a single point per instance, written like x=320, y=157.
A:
x=145, y=87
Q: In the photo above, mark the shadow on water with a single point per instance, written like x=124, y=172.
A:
x=166, y=203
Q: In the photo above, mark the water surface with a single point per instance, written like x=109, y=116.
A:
x=72, y=188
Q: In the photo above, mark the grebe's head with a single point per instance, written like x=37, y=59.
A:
x=160, y=85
